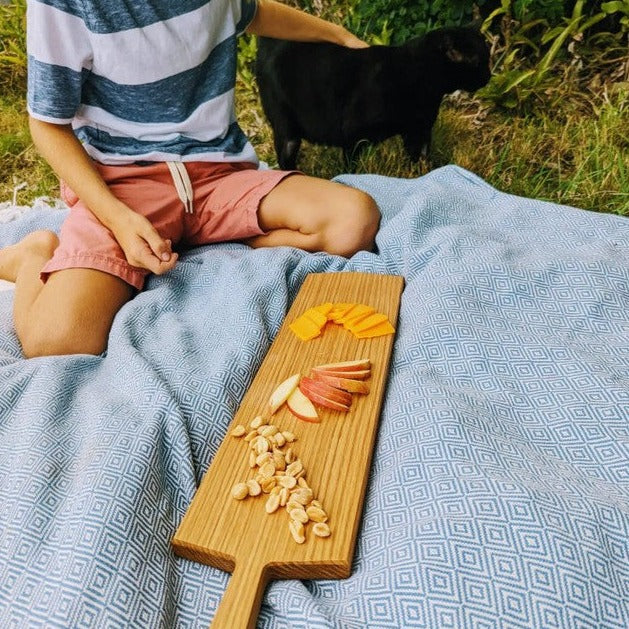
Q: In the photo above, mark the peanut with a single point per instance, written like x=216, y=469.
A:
x=281, y=476
x=321, y=529
x=272, y=503
x=240, y=491
x=297, y=531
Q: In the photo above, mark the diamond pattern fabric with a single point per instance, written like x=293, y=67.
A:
x=499, y=490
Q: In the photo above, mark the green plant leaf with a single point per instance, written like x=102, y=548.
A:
x=615, y=7
x=520, y=77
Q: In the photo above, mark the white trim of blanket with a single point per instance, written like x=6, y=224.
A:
x=9, y=210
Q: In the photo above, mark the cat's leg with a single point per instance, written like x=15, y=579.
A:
x=286, y=139
x=287, y=150
x=417, y=135
x=416, y=145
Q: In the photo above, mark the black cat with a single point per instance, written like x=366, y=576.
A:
x=338, y=96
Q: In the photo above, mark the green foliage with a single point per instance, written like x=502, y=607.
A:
x=532, y=48
x=403, y=19
x=12, y=44
x=247, y=48
x=410, y=18
x=550, y=10
x=619, y=8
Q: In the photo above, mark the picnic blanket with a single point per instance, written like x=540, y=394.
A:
x=499, y=489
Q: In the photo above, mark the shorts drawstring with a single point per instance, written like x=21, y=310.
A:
x=183, y=185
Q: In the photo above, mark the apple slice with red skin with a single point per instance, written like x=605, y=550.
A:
x=315, y=395
x=301, y=407
x=326, y=390
x=358, y=374
x=282, y=392
x=347, y=365
x=346, y=384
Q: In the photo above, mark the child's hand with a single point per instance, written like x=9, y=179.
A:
x=139, y=240
x=142, y=244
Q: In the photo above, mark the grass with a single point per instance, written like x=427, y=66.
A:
x=569, y=144
x=19, y=161
x=565, y=156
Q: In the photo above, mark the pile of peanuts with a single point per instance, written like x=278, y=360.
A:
x=282, y=477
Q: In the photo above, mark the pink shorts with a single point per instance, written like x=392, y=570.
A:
x=225, y=205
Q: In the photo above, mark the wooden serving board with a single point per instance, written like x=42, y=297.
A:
x=238, y=535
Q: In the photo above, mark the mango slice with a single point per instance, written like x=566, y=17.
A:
x=316, y=316
x=338, y=311
x=305, y=329
x=360, y=319
x=356, y=315
x=368, y=322
x=377, y=330
x=325, y=308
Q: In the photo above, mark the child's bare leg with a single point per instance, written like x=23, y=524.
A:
x=317, y=215
x=71, y=313
x=25, y=260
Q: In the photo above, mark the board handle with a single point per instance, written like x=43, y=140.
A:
x=241, y=601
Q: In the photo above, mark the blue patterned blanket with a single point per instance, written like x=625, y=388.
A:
x=499, y=491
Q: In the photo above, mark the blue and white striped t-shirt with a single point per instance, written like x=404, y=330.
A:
x=140, y=80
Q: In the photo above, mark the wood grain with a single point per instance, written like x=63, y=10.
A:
x=239, y=536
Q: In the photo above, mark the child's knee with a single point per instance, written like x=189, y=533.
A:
x=369, y=218
x=41, y=243
x=355, y=226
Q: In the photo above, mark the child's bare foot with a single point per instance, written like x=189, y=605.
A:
x=37, y=245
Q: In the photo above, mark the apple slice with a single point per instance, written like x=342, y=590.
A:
x=301, y=407
x=282, y=392
x=347, y=384
x=326, y=390
x=347, y=365
x=359, y=374
x=320, y=400
x=324, y=402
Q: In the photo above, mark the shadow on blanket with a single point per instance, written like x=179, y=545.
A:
x=499, y=491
